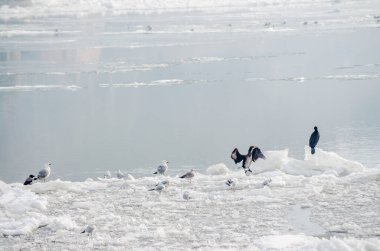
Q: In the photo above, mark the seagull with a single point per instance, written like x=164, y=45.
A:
x=30, y=180
x=314, y=138
x=267, y=182
x=164, y=182
x=254, y=153
x=120, y=175
x=189, y=175
x=186, y=196
x=159, y=188
x=108, y=175
x=231, y=183
x=163, y=168
x=44, y=173
x=88, y=229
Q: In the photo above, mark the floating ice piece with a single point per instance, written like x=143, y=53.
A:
x=38, y=87
x=160, y=233
x=322, y=162
x=218, y=169
x=61, y=222
x=299, y=218
x=22, y=211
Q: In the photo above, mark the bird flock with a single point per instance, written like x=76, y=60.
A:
x=254, y=153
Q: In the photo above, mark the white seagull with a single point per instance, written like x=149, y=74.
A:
x=163, y=168
x=186, y=196
x=108, y=175
x=267, y=182
x=164, y=182
x=188, y=175
x=159, y=188
x=44, y=173
x=120, y=175
x=88, y=229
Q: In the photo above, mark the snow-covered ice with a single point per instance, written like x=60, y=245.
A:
x=324, y=202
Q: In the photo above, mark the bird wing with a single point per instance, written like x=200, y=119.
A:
x=161, y=168
x=28, y=181
x=314, y=138
x=42, y=174
x=236, y=156
x=256, y=154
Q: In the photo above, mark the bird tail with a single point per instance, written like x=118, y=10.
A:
x=83, y=231
x=312, y=150
x=151, y=189
x=155, y=172
x=183, y=176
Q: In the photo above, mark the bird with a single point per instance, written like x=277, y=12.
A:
x=163, y=168
x=267, y=182
x=159, y=188
x=88, y=229
x=254, y=153
x=30, y=180
x=120, y=175
x=231, y=183
x=186, y=196
x=44, y=173
x=314, y=138
x=108, y=175
x=164, y=182
x=188, y=175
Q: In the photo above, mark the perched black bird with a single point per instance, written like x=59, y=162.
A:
x=253, y=154
x=313, y=141
x=29, y=180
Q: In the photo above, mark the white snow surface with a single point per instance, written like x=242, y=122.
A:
x=324, y=202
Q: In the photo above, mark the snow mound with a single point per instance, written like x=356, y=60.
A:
x=22, y=210
x=322, y=162
x=218, y=169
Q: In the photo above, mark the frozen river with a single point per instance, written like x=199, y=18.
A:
x=107, y=85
